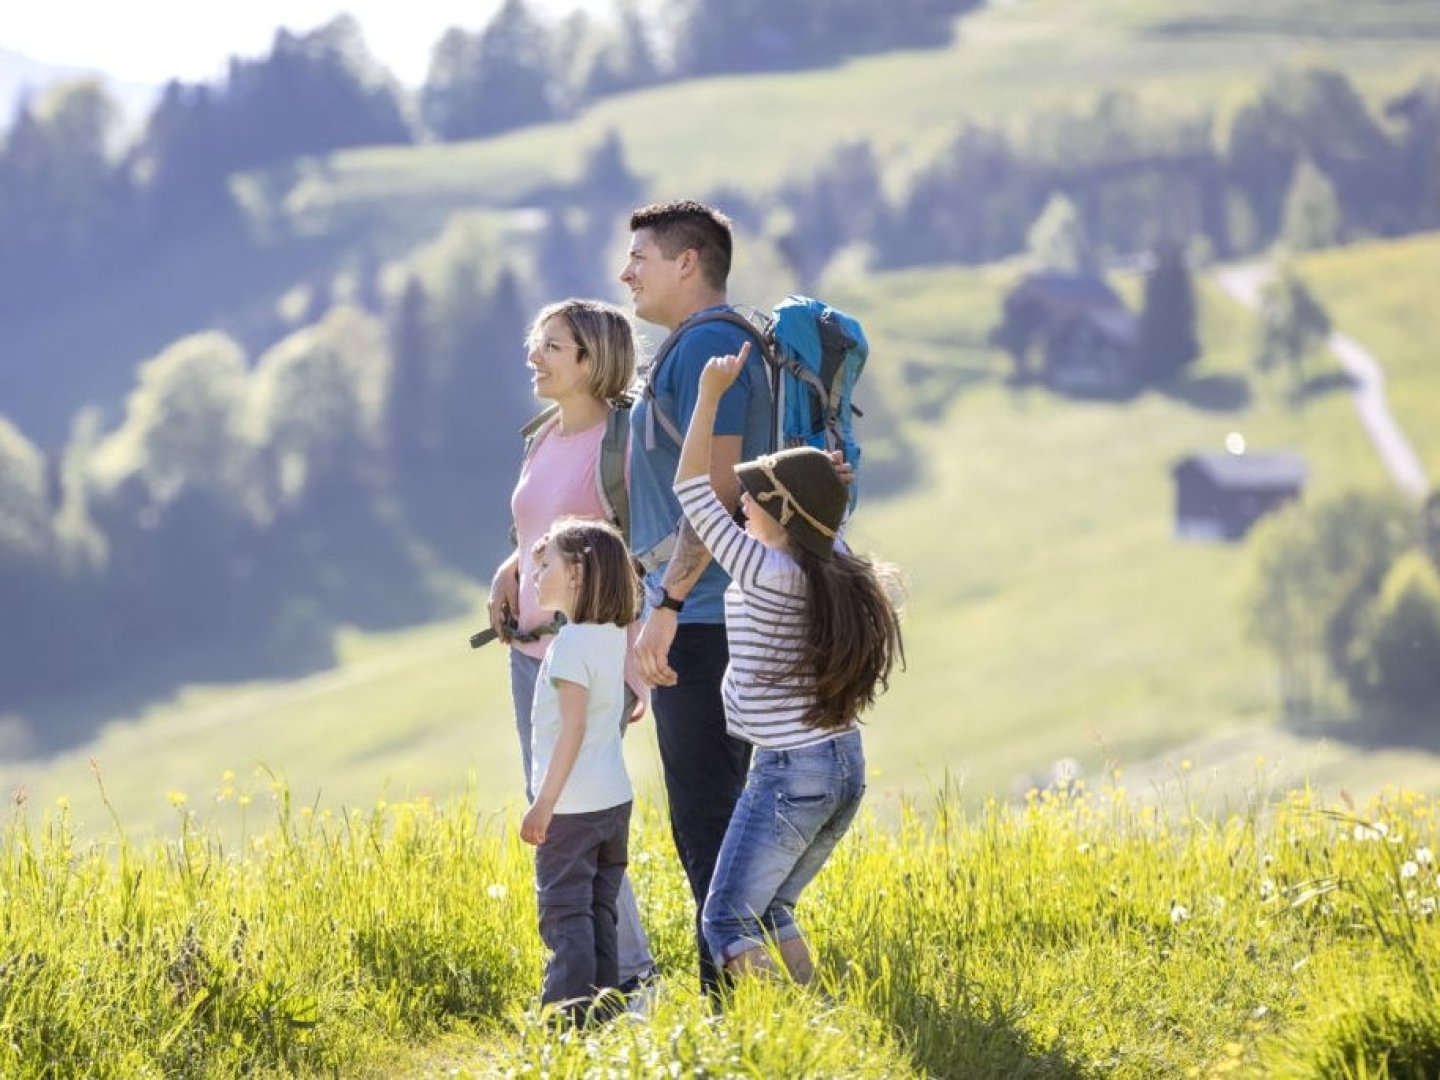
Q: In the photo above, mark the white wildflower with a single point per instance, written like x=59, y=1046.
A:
x=1424, y=856
x=1179, y=913
x=1409, y=869
x=496, y=891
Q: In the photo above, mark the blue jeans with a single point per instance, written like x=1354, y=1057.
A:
x=796, y=806
x=635, y=958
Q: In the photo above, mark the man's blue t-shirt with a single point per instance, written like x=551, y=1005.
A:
x=744, y=410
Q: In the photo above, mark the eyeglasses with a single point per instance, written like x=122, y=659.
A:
x=551, y=347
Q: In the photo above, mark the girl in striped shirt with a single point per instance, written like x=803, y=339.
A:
x=813, y=637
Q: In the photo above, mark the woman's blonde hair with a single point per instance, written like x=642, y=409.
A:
x=604, y=335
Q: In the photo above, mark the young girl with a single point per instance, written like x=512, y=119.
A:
x=579, y=816
x=813, y=636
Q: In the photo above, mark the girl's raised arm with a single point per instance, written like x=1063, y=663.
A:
x=719, y=374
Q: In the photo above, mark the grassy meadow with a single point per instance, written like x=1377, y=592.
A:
x=1080, y=935
x=321, y=877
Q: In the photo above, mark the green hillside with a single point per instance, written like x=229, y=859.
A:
x=316, y=220
x=1051, y=614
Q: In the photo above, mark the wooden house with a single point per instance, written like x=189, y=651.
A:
x=1086, y=335
x=1220, y=495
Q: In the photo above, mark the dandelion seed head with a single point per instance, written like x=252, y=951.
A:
x=1409, y=869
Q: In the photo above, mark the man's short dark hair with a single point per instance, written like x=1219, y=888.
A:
x=686, y=224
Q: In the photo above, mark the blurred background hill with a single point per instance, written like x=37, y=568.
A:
x=261, y=372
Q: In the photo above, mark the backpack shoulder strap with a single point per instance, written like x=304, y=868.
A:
x=610, y=476
x=534, y=426
x=656, y=415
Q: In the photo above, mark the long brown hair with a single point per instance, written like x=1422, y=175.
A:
x=853, y=640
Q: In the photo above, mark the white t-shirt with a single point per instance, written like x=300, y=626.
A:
x=592, y=655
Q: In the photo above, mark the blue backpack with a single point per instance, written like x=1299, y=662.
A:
x=814, y=355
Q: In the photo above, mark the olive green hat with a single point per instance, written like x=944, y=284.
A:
x=802, y=491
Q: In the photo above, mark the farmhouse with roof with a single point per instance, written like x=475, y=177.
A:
x=1220, y=495
x=1086, y=334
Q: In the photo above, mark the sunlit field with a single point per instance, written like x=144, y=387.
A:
x=1080, y=934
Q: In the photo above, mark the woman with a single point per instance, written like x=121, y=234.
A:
x=582, y=358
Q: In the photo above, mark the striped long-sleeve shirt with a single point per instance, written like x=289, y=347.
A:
x=765, y=624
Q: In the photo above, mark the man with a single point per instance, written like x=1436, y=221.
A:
x=677, y=271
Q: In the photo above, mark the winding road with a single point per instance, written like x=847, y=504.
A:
x=1246, y=283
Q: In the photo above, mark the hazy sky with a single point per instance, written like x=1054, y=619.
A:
x=154, y=40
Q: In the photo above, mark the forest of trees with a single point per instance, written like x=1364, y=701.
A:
x=256, y=493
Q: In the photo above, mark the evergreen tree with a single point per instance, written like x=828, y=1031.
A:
x=1419, y=152
x=411, y=427
x=61, y=195
x=625, y=60
x=1167, y=341
x=1058, y=239
x=1430, y=530
x=182, y=160
x=567, y=266
x=1292, y=324
x=500, y=80
x=313, y=93
x=1312, y=211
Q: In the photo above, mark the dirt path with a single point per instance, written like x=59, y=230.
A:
x=1246, y=283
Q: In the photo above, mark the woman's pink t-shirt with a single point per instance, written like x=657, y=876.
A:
x=557, y=480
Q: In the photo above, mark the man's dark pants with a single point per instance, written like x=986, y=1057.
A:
x=704, y=767
x=577, y=878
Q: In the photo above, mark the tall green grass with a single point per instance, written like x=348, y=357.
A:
x=1076, y=935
